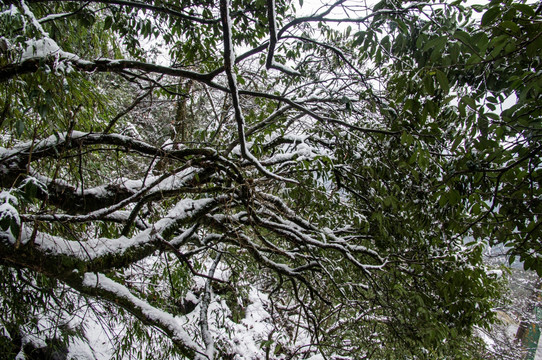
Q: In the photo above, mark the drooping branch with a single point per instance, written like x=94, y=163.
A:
x=34, y=64
x=163, y=9
x=99, y=285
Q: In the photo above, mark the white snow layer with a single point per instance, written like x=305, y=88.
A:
x=42, y=48
x=172, y=323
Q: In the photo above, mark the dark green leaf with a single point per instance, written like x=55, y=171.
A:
x=490, y=15
x=436, y=42
x=469, y=101
x=19, y=127
x=443, y=81
x=429, y=84
x=527, y=10
x=462, y=36
x=108, y=21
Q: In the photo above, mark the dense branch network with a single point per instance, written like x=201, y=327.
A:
x=292, y=167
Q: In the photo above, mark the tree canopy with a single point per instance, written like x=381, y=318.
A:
x=264, y=179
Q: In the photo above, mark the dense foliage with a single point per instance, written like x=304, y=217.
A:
x=263, y=179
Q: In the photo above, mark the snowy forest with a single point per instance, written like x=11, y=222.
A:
x=268, y=179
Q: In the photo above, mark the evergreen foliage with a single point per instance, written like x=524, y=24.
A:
x=262, y=179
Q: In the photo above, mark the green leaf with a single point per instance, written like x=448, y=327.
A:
x=43, y=110
x=443, y=200
x=406, y=139
x=420, y=41
x=490, y=15
x=378, y=56
x=492, y=116
x=108, y=22
x=456, y=143
x=48, y=97
x=443, y=81
x=386, y=43
x=510, y=25
x=380, y=5
x=428, y=84
x=453, y=197
x=402, y=26
x=359, y=38
x=19, y=127
x=535, y=47
x=469, y=101
x=525, y=9
x=437, y=42
x=15, y=227
x=492, y=99
x=462, y=36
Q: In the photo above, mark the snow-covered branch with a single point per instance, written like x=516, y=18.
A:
x=270, y=62
x=102, y=286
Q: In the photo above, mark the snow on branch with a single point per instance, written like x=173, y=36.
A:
x=101, y=285
x=75, y=139
x=25, y=10
x=179, y=180
x=204, y=321
x=270, y=61
x=15, y=163
x=100, y=254
x=229, y=60
x=293, y=232
x=33, y=63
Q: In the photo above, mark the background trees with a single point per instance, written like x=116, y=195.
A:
x=235, y=180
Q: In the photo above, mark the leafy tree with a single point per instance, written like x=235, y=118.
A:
x=253, y=183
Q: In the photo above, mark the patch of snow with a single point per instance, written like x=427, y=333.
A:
x=42, y=48
x=182, y=210
x=10, y=213
x=496, y=272
x=167, y=320
x=237, y=149
x=11, y=12
x=30, y=15
x=85, y=250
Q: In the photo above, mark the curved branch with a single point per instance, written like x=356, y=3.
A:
x=99, y=285
x=32, y=65
x=270, y=61
x=51, y=146
x=141, y=5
